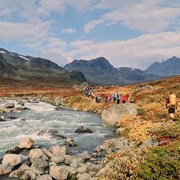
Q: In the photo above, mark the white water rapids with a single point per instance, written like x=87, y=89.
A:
x=43, y=117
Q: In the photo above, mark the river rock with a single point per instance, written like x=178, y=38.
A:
x=11, y=160
x=83, y=129
x=9, y=105
x=84, y=176
x=35, y=153
x=39, y=165
x=44, y=177
x=21, y=103
x=20, y=170
x=26, y=143
x=59, y=172
x=47, y=152
x=58, y=159
x=14, y=150
x=111, y=115
x=58, y=150
x=70, y=142
x=4, y=169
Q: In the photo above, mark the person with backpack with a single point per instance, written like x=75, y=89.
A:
x=171, y=104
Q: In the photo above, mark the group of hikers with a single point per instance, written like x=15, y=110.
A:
x=115, y=97
x=171, y=103
x=118, y=98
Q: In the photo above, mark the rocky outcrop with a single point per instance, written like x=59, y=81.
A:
x=114, y=113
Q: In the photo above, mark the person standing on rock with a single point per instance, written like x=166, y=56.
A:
x=171, y=104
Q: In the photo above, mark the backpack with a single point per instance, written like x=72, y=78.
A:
x=172, y=99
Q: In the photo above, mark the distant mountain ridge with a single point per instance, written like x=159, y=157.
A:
x=100, y=71
x=18, y=67
x=96, y=71
x=169, y=67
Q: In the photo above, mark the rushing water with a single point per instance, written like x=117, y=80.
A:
x=42, y=117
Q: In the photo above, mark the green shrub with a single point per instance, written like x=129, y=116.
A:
x=163, y=163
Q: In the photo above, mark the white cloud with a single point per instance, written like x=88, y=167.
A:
x=68, y=30
x=138, y=52
x=23, y=32
x=149, y=16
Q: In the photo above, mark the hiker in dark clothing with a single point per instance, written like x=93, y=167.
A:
x=118, y=98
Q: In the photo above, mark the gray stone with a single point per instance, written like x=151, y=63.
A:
x=9, y=105
x=27, y=143
x=59, y=172
x=4, y=169
x=35, y=153
x=44, y=177
x=114, y=113
x=58, y=159
x=11, y=160
x=47, y=152
x=58, y=150
x=84, y=176
x=83, y=129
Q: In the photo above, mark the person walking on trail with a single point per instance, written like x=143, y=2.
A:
x=118, y=98
x=171, y=104
x=123, y=98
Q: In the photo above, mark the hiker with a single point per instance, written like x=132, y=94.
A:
x=130, y=99
x=171, y=104
x=123, y=98
x=114, y=96
x=98, y=98
x=108, y=98
x=86, y=91
x=118, y=98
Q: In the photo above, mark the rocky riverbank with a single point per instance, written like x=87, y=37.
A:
x=26, y=161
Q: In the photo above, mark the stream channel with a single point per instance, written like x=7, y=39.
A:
x=46, y=126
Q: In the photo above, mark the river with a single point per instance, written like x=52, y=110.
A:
x=42, y=118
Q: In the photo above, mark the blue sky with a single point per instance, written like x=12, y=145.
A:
x=131, y=33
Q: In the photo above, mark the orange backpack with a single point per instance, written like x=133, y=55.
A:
x=172, y=99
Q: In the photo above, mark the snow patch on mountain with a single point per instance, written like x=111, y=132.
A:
x=23, y=57
x=2, y=52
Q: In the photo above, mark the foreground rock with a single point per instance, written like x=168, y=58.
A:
x=114, y=113
x=48, y=164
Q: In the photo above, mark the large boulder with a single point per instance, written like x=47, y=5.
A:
x=26, y=143
x=114, y=113
x=11, y=160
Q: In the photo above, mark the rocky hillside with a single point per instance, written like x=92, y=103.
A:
x=101, y=72
x=18, y=67
x=169, y=67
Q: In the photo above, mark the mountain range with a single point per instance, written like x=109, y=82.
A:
x=169, y=67
x=18, y=67
x=100, y=71
x=96, y=71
